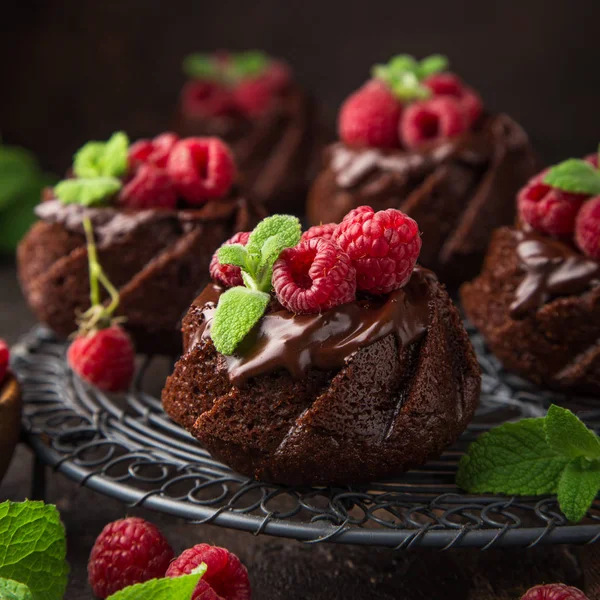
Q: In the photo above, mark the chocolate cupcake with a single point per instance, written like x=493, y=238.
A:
x=253, y=103
x=537, y=299
x=351, y=368
x=415, y=137
x=159, y=208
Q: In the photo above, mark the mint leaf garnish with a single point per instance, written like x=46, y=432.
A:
x=33, y=548
x=286, y=226
x=569, y=436
x=576, y=176
x=13, y=590
x=233, y=254
x=249, y=64
x=178, y=588
x=436, y=63
x=200, y=66
x=577, y=488
x=102, y=159
x=239, y=309
x=87, y=191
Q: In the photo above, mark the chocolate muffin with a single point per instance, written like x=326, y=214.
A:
x=252, y=102
x=155, y=239
x=361, y=390
x=432, y=151
x=537, y=299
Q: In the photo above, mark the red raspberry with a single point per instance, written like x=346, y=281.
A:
x=436, y=119
x=548, y=209
x=105, y=358
x=383, y=246
x=449, y=84
x=254, y=97
x=278, y=76
x=554, y=591
x=4, y=358
x=587, y=228
x=203, y=99
x=155, y=151
x=592, y=159
x=127, y=552
x=201, y=169
x=319, y=231
x=226, y=577
x=228, y=275
x=150, y=187
x=370, y=117
x=314, y=276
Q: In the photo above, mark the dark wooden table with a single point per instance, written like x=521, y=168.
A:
x=283, y=569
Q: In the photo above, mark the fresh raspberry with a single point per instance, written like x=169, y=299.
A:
x=278, y=76
x=203, y=99
x=127, y=552
x=228, y=275
x=201, y=169
x=592, y=159
x=105, y=358
x=554, y=591
x=319, y=231
x=439, y=118
x=150, y=187
x=370, y=117
x=254, y=97
x=314, y=276
x=449, y=84
x=226, y=577
x=587, y=228
x=4, y=358
x=548, y=209
x=155, y=151
x=383, y=246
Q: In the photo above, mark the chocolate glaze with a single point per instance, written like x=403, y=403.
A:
x=297, y=343
x=552, y=268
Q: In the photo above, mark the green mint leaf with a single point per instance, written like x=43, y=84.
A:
x=178, y=588
x=233, y=254
x=402, y=63
x=569, y=436
x=88, y=192
x=102, y=159
x=514, y=458
x=577, y=488
x=436, y=63
x=33, y=548
x=271, y=250
x=286, y=226
x=13, y=590
x=86, y=162
x=249, y=64
x=574, y=175
x=239, y=309
x=200, y=66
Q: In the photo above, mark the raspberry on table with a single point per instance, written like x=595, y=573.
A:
x=314, y=276
x=228, y=275
x=201, y=169
x=449, y=84
x=548, y=209
x=104, y=358
x=436, y=119
x=554, y=591
x=155, y=151
x=369, y=117
x=226, y=577
x=319, y=231
x=203, y=99
x=150, y=187
x=127, y=552
x=4, y=359
x=587, y=228
x=383, y=247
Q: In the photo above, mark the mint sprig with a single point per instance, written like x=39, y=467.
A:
x=13, y=590
x=555, y=454
x=240, y=308
x=229, y=70
x=87, y=191
x=576, y=176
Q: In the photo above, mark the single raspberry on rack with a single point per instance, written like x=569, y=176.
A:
x=254, y=97
x=4, y=359
x=370, y=117
x=587, y=228
x=228, y=275
x=554, y=591
x=127, y=552
x=383, y=246
x=226, y=577
x=155, y=151
x=319, y=231
x=201, y=169
x=440, y=118
x=548, y=209
x=202, y=99
x=104, y=358
x=150, y=187
x=314, y=276
x=449, y=84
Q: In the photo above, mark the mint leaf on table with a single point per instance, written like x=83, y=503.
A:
x=577, y=488
x=178, y=588
x=13, y=590
x=102, y=159
x=87, y=191
x=33, y=548
x=569, y=436
x=576, y=176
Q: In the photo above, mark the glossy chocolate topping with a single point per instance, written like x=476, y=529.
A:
x=322, y=341
x=552, y=268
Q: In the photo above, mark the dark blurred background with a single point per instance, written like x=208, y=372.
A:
x=75, y=69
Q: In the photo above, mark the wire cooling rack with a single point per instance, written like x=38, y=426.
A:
x=127, y=448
